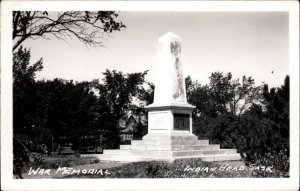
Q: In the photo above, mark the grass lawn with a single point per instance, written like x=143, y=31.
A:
x=187, y=168
x=72, y=166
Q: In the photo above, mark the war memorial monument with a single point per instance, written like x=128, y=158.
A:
x=170, y=134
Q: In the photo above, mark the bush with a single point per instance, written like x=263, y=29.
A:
x=279, y=162
x=258, y=139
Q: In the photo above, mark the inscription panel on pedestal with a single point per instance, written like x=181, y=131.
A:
x=158, y=121
x=181, y=121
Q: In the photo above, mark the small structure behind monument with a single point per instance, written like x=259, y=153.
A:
x=127, y=128
x=170, y=118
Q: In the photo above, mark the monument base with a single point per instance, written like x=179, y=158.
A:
x=168, y=147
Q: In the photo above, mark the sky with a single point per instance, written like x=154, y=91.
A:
x=243, y=43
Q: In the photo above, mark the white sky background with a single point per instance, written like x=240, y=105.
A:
x=244, y=43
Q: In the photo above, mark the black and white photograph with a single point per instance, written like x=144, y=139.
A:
x=149, y=95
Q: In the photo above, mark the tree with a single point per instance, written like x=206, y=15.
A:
x=66, y=109
x=88, y=27
x=252, y=119
x=231, y=95
x=276, y=104
x=223, y=95
x=119, y=90
x=118, y=94
x=24, y=94
x=191, y=86
x=146, y=95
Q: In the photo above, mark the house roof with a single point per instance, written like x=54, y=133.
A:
x=131, y=120
x=127, y=125
x=127, y=130
x=126, y=120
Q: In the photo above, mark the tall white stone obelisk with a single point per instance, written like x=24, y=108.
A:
x=169, y=118
x=170, y=112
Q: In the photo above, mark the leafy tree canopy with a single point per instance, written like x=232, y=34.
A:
x=223, y=95
x=24, y=94
x=119, y=89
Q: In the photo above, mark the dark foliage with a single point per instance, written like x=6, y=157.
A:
x=24, y=102
x=252, y=119
x=47, y=111
x=20, y=157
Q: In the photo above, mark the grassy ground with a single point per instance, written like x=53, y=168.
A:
x=76, y=167
x=188, y=168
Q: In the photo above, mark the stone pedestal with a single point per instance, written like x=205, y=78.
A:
x=169, y=113
x=170, y=120
x=169, y=117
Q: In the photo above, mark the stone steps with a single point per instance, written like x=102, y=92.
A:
x=134, y=158
x=173, y=147
x=190, y=142
x=213, y=158
x=117, y=158
x=203, y=152
x=169, y=147
x=163, y=147
x=170, y=142
x=139, y=153
x=125, y=147
x=194, y=147
x=159, y=153
x=172, y=137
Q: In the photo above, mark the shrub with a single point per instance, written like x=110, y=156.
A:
x=279, y=163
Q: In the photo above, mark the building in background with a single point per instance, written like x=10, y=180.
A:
x=127, y=126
